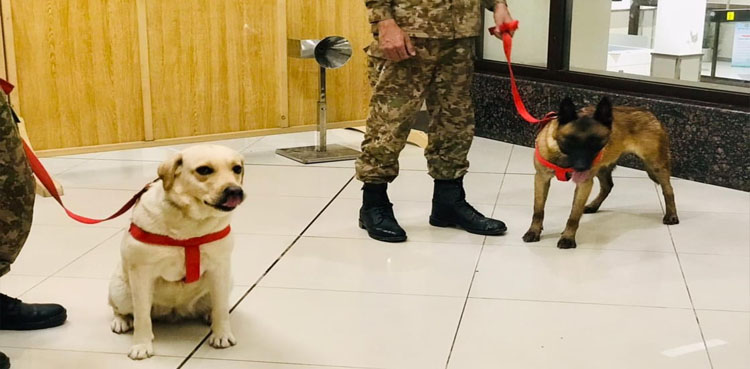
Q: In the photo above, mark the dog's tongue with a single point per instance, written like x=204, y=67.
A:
x=232, y=202
x=579, y=177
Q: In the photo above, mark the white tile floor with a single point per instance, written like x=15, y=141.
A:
x=313, y=292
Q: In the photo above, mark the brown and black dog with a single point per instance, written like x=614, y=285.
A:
x=575, y=140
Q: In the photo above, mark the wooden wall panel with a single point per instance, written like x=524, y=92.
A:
x=78, y=71
x=348, y=88
x=215, y=66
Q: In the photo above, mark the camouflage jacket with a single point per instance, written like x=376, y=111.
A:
x=447, y=19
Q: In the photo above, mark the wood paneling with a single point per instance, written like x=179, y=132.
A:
x=214, y=66
x=77, y=71
x=105, y=72
x=348, y=88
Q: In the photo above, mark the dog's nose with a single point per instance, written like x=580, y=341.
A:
x=581, y=166
x=234, y=191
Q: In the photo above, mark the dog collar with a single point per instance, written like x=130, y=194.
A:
x=191, y=246
x=561, y=173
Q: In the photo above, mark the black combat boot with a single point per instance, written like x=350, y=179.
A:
x=18, y=316
x=4, y=361
x=450, y=209
x=376, y=215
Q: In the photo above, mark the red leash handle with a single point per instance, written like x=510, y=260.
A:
x=504, y=30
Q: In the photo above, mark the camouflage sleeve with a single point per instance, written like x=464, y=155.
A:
x=490, y=4
x=379, y=10
x=16, y=190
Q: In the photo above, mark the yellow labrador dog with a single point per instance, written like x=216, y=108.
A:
x=176, y=256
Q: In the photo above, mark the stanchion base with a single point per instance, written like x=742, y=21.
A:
x=309, y=154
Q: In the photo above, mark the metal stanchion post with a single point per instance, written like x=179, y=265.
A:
x=330, y=53
x=322, y=110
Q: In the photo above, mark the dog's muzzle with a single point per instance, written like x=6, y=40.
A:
x=231, y=197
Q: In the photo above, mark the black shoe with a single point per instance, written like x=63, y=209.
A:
x=450, y=209
x=4, y=361
x=18, y=316
x=376, y=215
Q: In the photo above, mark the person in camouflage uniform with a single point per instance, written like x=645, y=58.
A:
x=423, y=52
x=16, y=210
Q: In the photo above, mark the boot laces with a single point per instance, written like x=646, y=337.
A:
x=382, y=212
x=8, y=302
x=474, y=212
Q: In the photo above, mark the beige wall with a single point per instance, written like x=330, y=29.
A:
x=589, y=40
x=530, y=41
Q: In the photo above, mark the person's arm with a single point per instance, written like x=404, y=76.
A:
x=501, y=12
x=394, y=42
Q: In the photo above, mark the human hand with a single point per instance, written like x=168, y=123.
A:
x=502, y=16
x=394, y=42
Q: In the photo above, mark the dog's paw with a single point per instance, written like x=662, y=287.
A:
x=531, y=236
x=141, y=351
x=566, y=243
x=121, y=324
x=589, y=209
x=222, y=340
x=671, y=219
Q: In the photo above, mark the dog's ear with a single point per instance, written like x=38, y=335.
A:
x=242, y=178
x=567, y=112
x=603, y=113
x=168, y=170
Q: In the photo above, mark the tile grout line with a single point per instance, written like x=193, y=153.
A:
x=54, y=274
x=77, y=351
x=690, y=297
x=539, y=245
x=581, y=303
x=251, y=144
x=86, y=160
x=95, y=158
x=659, y=195
x=466, y=302
x=510, y=157
x=268, y=270
x=301, y=365
x=259, y=195
x=83, y=161
x=277, y=165
x=476, y=267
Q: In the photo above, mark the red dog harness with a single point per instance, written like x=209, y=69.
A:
x=191, y=246
x=561, y=173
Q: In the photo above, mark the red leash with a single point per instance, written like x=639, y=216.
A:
x=191, y=245
x=46, y=180
x=49, y=184
x=504, y=30
x=562, y=174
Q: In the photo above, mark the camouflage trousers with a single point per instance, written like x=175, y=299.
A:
x=16, y=190
x=439, y=75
